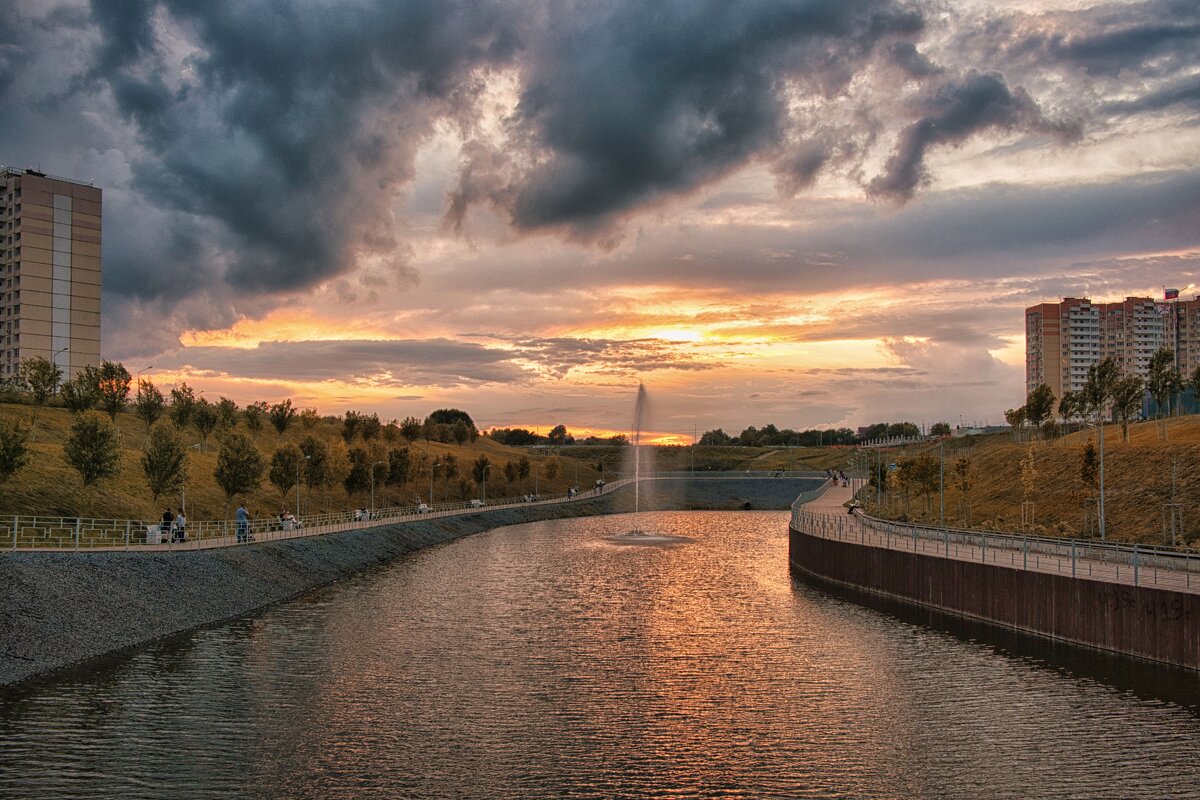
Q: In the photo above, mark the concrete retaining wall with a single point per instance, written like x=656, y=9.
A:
x=1150, y=623
x=62, y=608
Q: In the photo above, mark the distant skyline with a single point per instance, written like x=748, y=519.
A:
x=812, y=214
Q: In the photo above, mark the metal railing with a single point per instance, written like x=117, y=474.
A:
x=78, y=533
x=1137, y=565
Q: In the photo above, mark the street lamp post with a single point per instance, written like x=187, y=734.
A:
x=1100, y=427
x=373, y=466
x=432, y=469
x=139, y=374
x=942, y=479
x=183, y=484
x=299, y=463
x=483, y=484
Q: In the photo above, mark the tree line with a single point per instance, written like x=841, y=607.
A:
x=771, y=436
x=1106, y=393
x=92, y=446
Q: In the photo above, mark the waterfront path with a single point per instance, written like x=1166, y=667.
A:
x=826, y=516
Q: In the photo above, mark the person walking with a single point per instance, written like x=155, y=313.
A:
x=243, y=524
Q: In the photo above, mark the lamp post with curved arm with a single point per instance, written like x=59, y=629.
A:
x=373, y=466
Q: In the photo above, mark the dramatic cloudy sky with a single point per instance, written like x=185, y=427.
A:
x=813, y=212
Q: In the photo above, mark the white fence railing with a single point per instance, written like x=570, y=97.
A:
x=78, y=533
x=1138, y=565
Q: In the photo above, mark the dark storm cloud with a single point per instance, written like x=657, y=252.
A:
x=645, y=100
x=956, y=111
x=1185, y=93
x=291, y=125
x=914, y=63
x=1137, y=37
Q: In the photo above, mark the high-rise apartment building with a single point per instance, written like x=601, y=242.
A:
x=1064, y=339
x=49, y=271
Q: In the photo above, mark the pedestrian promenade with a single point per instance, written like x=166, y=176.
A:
x=1176, y=569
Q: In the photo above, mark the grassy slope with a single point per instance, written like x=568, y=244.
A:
x=49, y=486
x=1137, y=481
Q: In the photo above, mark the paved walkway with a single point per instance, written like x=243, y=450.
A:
x=826, y=516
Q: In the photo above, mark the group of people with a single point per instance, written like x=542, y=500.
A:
x=173, y=527
x=837, y=476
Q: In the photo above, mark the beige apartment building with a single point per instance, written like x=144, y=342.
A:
x=1064, y=339
x=49, y=271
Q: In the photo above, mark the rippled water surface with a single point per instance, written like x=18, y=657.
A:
x=547, y=660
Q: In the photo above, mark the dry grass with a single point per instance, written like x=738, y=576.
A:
x=47, y=485
x=1137, y=481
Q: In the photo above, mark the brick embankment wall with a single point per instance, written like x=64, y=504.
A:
x=1155, y=624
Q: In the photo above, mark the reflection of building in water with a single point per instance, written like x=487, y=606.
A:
x=1064, y=339
x=49, y=271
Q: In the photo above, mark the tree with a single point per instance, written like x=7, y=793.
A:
x=399, y=467
x=82, y=393
x=963, y=481
x=523, y=467
x=239, y=466
x=316, y=464
x=183, y=405
x=1194, y=382
x=550, y=468
x=510, y=472
x=460, y=432
x=206, y=418
x=309, y=418
x=1039, y=405
x=410, y=428
x=1015, y=417
x=1127, y=401
x=14, y=449
x=165, y=461
x=254, y=414
x=479, y=468
x=557, y=435
x=285, y=468
x=350, y=423
x=940, y=429
x=92, y=448
x=449, y=416
x=227, y=410
x=149, y=404
x=1068, y=406
x=281, y=416
x=370, y=427
x=1164, y=380
x=358, y=479
x=1089, y=466
x=716, y=437
x=1098, y=390
x=42, y=376
x=113, y=386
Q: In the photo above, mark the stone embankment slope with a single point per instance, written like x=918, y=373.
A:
x=64, y=608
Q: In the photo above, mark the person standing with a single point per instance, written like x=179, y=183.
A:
x=164, y=530
x=179, y=534
x=243, y=523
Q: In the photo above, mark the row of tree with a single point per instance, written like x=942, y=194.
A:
x=771, y=436
x=109, y=386
x=1106, y=392
x=558, y=436
x=92, y=448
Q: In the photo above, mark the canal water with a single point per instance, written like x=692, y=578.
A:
x=550, y=660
